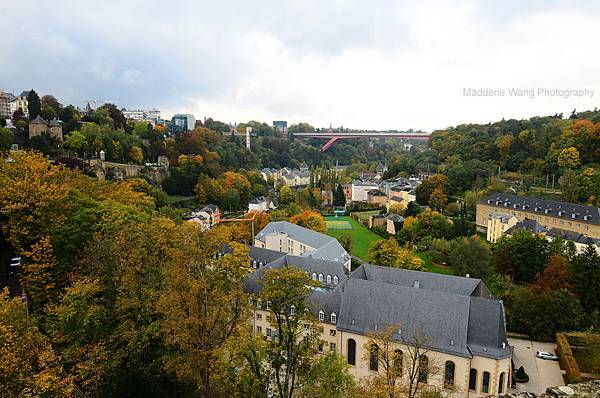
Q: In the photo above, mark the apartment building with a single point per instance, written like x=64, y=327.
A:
x=548, y=213
x=289, y=238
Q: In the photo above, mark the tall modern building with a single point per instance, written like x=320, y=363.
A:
x=181, y=123
x=4, y=105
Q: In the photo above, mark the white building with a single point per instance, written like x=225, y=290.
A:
x=361, y=188
x=20, y=102
x=261, y=203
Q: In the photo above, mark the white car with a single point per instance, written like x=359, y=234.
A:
x=15, y=262
x=546, y=355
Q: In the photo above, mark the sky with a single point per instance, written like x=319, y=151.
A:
x=373, y=64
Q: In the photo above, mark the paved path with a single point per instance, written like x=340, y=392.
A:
x=542, y=373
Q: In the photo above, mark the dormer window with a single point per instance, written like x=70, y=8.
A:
x=333, y=318
x=314, y=276
x=561, y=213
x=320, y=277
x=321, y=316
x=335, y=280
x=516, y=205
x=586, y=217
x=329, y=279
x=547, y=211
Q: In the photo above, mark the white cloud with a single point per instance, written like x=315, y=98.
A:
x=381, y=64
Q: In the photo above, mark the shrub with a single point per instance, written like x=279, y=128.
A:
x=567, y=361
x=521, y=376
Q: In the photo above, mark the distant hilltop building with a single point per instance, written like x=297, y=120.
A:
x=150, y=116
x=9, y=103
x=280, y=125
x=39, y=126
x=182, y=123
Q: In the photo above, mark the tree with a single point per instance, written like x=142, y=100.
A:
x=402, y=365
x=569, y=186
x=6, y=140
x=75, y=141
x=542, y=315
x=29, y=366
x=18, y=116
x=339, y=198
x=470, y=256
x=586, y=277
x=328, y=378
x=412, y=209
x=521, y=255
x=136, y=154
x=556, y=276
x=438, y=199
x=202, y=306
x=346, y=242
x=291, y=352
x=286, y=196
x=388, y=253
x=34, y=105
x=424, y=191
x=569, y=158
x=310, y=219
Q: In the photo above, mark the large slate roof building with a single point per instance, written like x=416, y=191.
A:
x=464, y=324
x=548, y=213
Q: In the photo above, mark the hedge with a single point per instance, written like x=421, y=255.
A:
x=567, y=361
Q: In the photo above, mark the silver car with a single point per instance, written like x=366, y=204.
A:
x=546, y=355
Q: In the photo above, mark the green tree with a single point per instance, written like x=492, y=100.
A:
x=339, y=198
x=328, y=378
x=586, y=277
x=346, y=242
x=569, y=186
x=470, y=256
x=286, y=195
x=569, y=158
x=521, y=255
x=6, y=140
x=34, y=105
x=75, y=141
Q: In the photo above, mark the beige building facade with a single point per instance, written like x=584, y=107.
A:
x=497, y=225
x=548, y=213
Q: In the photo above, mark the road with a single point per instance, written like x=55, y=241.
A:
x=542, y=373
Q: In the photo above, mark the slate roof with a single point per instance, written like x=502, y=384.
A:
x=570, y=211
x=574, y=236
x=457, y=315
x=529, y=225
x=54, y=123
x=375, y=192
x=38, y=120
x=326, y=247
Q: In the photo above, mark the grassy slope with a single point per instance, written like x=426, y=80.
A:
x=361, y=236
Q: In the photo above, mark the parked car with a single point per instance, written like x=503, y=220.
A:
x=15, y=262
x=546, y=355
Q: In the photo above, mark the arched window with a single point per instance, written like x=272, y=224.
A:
x=423, y=368
x=485, y=383
x=351, y=352
x=321, y=316
x=329, y=279
x=374, y=357
x=314, y=276
x=473, y=379
x=501, y=383
x=398, y=359
x=333, y=318
x=449, y=374
x=336, y=280
x=320, y=277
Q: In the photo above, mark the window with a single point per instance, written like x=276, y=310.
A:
x=329, y=279
x=333, y=318
x=332, y=347
x=335, y=280
x=320, y=347
x=449, y=374
x=485, y=385
x=268, y=305
x=314, y=276
x=321, y=316
x=501, y=384
x=251, y=301
x=473, y=379
x=292, y=310
x=398, y=359
x=423, y=368
x=320, y=277
x=254, y=264
x=259, y=317
x=351, y=352
x=259, y=329
x=269, y=332
x=374, y=357
x=332, y=332
x=269, y=318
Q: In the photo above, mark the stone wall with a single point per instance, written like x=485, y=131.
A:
x=589, y=389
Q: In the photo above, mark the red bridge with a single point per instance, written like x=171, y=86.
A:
x=334, y=136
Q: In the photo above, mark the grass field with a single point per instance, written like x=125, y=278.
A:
x=362, y=237
x=431, y=267
x=365, y=215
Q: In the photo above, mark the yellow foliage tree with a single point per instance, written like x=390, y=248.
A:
x=310, y=219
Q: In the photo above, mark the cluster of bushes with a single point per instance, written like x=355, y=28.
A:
x=567, y=360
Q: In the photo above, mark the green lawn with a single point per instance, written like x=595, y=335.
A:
x=365, y=215
x=431, y=267
x=362, y=237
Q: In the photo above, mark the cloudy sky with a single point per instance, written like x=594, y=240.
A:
x=365, y=64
